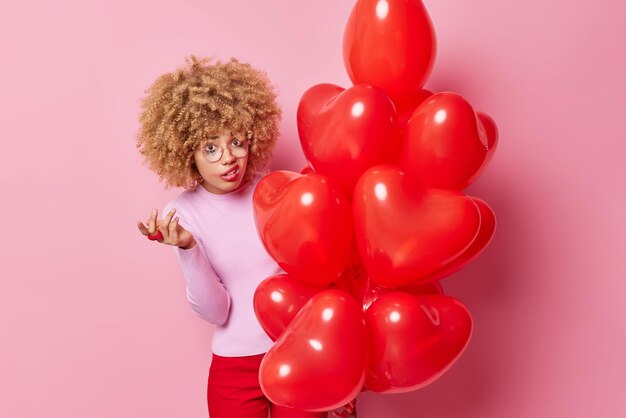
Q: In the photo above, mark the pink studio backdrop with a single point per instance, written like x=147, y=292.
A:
x=93, y=319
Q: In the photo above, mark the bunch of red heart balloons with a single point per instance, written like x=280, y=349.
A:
x=365, y=233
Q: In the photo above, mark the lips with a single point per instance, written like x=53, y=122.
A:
x=231, y=171
x=231, y=175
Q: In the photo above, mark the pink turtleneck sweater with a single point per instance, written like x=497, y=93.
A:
x=223, y=270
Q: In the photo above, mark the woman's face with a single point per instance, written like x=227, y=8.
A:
x=222, y=171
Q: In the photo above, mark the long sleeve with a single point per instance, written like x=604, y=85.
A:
x=207, y=295
x=205, y=291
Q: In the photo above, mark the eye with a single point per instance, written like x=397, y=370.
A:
x=210, y=149
x=236, y=142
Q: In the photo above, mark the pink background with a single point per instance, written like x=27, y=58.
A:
x=93, y=319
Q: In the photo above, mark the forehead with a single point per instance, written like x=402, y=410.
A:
x=223, y=136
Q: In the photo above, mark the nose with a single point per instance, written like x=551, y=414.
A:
x=227, y=157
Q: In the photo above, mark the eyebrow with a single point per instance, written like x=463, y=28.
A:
x=217, y=136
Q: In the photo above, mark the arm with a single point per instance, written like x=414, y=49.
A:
x=205, y=292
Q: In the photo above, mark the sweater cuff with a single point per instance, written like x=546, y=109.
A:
x=192, y=254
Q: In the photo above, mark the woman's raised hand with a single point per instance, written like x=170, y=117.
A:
x=172, y=232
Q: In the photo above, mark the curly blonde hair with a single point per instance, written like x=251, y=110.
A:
x=184, y=108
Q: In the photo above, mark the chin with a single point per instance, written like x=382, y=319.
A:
x=233, y=186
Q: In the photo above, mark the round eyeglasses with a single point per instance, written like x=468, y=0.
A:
x=238, y=148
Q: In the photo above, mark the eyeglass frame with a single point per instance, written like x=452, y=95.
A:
x=245, y=142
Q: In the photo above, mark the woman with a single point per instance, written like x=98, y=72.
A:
x=211, y=128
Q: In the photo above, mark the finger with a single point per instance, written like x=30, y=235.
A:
x=169, y=217
x=142, y=228
x=173, y=231
x=164, y=225
x=152, y=222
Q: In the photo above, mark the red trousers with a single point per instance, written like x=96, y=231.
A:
x=234, y=392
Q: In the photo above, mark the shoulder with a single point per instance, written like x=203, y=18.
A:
x=184, y=205
x=182, y=202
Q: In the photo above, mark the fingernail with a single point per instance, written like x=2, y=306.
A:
x=154, y=212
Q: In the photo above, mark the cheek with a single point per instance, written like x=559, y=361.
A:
x=201, y=166
x=244, y=162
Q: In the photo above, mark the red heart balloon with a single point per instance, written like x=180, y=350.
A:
x=405, y=232
x=484, y=237
x=406, y=110
x=413, y=340
x=431, y=288
x=307, y=170
x=391, y=45
x=345, y=132
x=365, y=291
x=354, y=280
x=318, y=363
x=491, y=129
x=277, y=301
x=374, y=291
x=444, y=144
x=305, y=223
